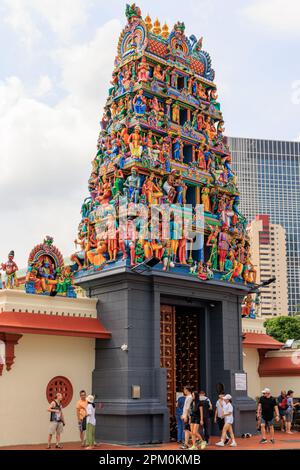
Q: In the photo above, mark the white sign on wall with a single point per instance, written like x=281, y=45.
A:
x=240, y=381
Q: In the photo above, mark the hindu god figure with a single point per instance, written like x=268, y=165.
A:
x=10, y=268
x=139, y=103
x=223, y=246
x=151, y=190
x=132, y=186
x=158, y=73
x=205, y=199
x=143, y=71
x=136, y=142
x=47, y=275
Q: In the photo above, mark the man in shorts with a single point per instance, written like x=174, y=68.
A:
x=267, y=406
x=57, y=421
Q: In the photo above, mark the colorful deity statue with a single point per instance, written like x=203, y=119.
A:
x=158, y=73
x=151, y=190
x=132, y=186
x=10, y=268
x=139, y=103
x=205, y=199
x=104, y=192
x=176, y=113
x=117, y=188
x=213, y=243
x=143, y=71
x=247, y=306
x=47, y=273
x=169, y=188
x=223, y=246
x=135, y=142
x=177, y=149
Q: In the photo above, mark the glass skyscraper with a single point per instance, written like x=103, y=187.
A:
x=268, y=173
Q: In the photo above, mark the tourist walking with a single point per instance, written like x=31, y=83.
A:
x=267, y=406
x=179, y=421
x=57, y=421
x=219, y=418
x=186, y=415
x=289, y=411
x=206, y=406
x=90, y=423
x=196, y=420
x=228, y=422
x=81, y=406
x=282, y=407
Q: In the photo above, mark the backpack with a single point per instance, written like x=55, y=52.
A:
x=283, y=404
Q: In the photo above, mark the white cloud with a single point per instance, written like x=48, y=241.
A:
x=44, y=86
x=46, y=151
x=62, y=16
x=277, y=15
x=20, y=20
x=87, y=68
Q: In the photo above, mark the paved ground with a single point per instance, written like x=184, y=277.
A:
x=283, y=441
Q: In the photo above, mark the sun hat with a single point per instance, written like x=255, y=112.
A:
x=227, y=397
x=90, y=398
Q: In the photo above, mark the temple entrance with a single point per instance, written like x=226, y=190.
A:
x=180, y=349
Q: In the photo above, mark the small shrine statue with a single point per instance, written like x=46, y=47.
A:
x=176, y=113
x=47, y=275
x=10, y=268
x=136, y=142
x=247, y=306
x=143, y=71
x=205, y=199
x=132, y=186
x=223, y=246
x=158, y=73
x=177, y=149
x=213, y=243
x=139, y=103
x=151, y=190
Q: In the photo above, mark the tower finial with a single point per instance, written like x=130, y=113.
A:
x=156, y=28
x=148, y=22
x=165, y=31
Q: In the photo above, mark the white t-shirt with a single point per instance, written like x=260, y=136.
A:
x=220, y=407
x=90, y=415
x=227, y=408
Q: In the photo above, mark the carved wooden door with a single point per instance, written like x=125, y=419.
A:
x=168, y=352
x=187, y=349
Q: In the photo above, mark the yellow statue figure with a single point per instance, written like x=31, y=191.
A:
x=151, y=190
x=95, y=256
x=135, y=142
x=176, y=113
x=205, y=199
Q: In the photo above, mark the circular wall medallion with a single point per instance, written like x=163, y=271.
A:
x=60, y=385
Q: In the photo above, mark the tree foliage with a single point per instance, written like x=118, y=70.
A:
x=283, y=328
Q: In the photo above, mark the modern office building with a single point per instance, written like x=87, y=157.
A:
x=268, y=251
x=268, y=176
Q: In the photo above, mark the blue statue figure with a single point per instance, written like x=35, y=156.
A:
x=177, y=149
x=139, y=103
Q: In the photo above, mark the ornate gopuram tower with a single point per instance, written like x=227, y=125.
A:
x=171, y=302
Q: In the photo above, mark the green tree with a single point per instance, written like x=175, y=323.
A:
x=283, y=328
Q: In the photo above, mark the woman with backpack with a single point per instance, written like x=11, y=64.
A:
x=282, y=407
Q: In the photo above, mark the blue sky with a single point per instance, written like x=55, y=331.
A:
x=56, y=62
